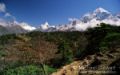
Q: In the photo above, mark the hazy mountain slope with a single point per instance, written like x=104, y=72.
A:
x=14, y=27
x=3, y=30
x=11, y=29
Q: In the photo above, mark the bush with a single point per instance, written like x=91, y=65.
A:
x=30, y=70
x=111, y=41
x=67, y=54
x=25, y=70
x=49, y=69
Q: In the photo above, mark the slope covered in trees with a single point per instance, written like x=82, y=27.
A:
x=41, y=53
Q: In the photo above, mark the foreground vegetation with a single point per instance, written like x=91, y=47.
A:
x=41, y=53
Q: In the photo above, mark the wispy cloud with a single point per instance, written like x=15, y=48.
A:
x=72, y=19
x=2, y=7
x=7, y=14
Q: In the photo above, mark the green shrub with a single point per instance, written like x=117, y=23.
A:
x=67, y=54
x=25, y=70
x=30, y=70
x=49, y=69
x=111, y=41
x=2, y=51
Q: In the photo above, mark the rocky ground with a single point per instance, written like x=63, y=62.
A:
x=96, y=64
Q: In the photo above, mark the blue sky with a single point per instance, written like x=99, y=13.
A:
x=35, y=12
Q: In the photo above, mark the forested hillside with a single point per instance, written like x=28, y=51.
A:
x=42, y=53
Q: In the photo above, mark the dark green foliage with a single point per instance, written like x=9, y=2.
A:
x=29, y=70
x=97, y=35
x=2, y=51
x=67, y=54
x=25, y=70
x=79, y=53
x=49, y=69
x=6, y=38
x=110, y=42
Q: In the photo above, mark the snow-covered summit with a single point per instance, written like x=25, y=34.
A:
x=101, y=10
x=90, y=20
x=26, y=26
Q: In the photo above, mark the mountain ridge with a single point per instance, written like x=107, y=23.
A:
x=89, y=20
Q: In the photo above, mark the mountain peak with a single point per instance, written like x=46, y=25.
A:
x=46, y=23
x=100, y=10
x=45, y=26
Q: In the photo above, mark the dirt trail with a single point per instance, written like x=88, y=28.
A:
x=103, y=59
x=74, y=67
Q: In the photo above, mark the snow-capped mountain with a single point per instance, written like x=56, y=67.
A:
x=46, y=27
x=89, y=20
x=98, y=14
x=11, y=29
x=26, y=26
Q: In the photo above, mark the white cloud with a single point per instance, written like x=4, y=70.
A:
x=72, y=19
x=81, y=26
x=5, y=22
x=7, y=14
x=2, y=7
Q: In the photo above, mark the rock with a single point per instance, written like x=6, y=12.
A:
x=114, y=51
x=99, y=54
x=64, y=72
x=88, y=57
x=84, y=63
x=110, y=55
x=95, y=63
x=104, y=59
